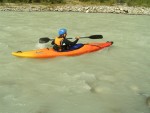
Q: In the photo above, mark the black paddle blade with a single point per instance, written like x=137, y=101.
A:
x=44, y=40
x=95, y=37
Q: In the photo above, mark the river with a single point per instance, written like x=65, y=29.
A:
x=114, y=80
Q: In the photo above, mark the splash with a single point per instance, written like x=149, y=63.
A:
x=42, y=45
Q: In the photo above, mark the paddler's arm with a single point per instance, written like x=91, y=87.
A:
x=67, y=42
x=52, y=42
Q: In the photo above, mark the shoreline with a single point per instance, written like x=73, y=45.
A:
x=116, y=9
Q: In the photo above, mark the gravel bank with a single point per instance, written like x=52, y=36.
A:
x=118, y=9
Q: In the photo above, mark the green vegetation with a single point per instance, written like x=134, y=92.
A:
x=145, y=3
x=33, y=1
x=128, y=2
x=138, y=2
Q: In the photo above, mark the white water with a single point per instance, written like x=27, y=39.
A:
x=114, y=80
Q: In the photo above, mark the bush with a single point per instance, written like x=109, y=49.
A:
x=138, y=2
x=129, y=2
x=32, y=1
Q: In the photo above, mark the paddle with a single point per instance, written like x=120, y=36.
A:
x=46, y=39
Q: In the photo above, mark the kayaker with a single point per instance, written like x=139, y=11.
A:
x=61, y=43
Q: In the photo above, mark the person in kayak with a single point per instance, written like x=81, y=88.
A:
x=61, y=43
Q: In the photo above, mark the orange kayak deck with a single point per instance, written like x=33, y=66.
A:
x=50, y=53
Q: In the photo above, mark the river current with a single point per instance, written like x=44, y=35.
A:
x=114, y=80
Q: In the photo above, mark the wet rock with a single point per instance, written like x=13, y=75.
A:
x=148, y=101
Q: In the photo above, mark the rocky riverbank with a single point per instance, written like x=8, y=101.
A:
x=117, y=9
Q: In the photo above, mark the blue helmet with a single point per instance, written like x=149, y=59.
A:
x=62, y=31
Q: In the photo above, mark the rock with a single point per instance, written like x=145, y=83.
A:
x=148, y=101
x=87, y=11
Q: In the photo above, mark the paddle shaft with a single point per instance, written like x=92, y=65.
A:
x=46, y=39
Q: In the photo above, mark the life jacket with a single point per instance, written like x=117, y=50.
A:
x=58, y=41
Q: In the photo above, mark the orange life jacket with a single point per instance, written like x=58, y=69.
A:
x=58, y=41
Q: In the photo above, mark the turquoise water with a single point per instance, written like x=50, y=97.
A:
x=114, y=80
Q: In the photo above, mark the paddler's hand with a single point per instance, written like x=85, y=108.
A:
x=77, y=37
